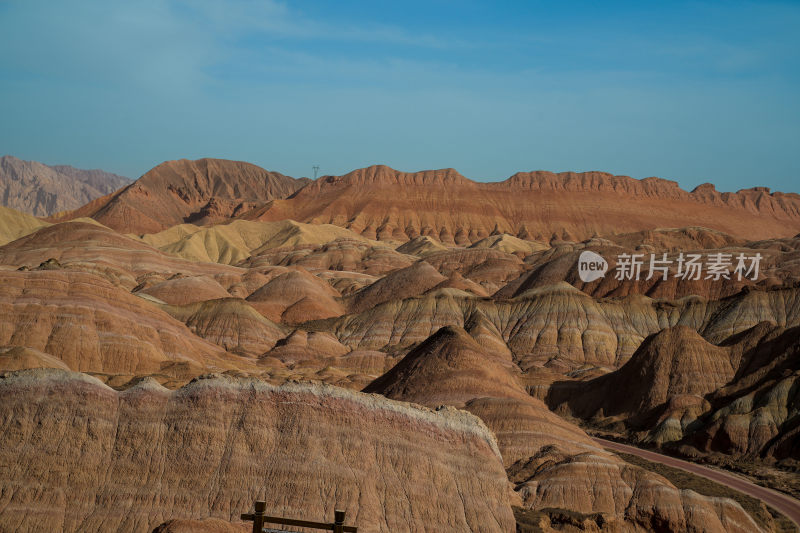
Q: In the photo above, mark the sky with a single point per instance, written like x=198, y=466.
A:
x=690, y=91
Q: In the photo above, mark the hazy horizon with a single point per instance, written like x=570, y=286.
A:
x=689, y=92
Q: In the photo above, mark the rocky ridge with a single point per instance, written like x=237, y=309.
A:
x=43, y=190
x=441, y=204
x=177, y=192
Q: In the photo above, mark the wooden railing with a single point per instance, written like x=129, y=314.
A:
x=259, y=519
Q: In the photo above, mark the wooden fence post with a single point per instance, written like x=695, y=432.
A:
x=258, y=517
x=338, y=522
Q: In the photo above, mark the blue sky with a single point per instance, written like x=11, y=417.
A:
x=688, y=91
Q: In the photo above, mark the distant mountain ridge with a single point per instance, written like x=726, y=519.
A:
x=385, y=204
x=381, y=203
x=42, y=190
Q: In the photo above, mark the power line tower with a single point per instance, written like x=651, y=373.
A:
x=316, y=169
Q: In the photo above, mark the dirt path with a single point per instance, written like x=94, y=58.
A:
x=781, y=502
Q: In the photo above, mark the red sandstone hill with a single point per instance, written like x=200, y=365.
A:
x=174, y=192
x=385, y=204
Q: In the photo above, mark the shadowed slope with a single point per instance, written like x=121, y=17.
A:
x=758, y=413
x=740, y=398
x=672, y=363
